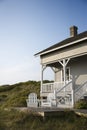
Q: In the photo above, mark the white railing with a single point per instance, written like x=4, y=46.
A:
x=65, y=94
x=50, y=87
x=67, y=87
x=80, y=91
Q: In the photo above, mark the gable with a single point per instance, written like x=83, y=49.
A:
x=64, y=43
x=67, y=52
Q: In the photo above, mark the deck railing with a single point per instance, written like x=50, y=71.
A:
x=66, y=88
x=50, y=87
x=65, y=95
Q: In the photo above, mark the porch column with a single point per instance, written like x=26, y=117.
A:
x=64, y=71
x=73, y=96
x=53, y=69
x=64, y=63
x=42, y=69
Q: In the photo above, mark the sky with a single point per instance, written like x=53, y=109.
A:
x=29, y=26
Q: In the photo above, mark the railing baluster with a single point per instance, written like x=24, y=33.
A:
x=50, y=87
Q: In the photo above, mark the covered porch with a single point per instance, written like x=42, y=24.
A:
x=57, y=93
x=61, y=93
x=68, y=61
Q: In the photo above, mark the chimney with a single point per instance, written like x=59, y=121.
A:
x=73, y=31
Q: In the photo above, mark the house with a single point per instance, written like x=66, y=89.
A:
x=68, y=60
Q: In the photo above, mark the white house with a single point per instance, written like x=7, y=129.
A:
x=68, y=60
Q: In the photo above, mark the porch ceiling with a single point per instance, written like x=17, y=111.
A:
x=55, y=64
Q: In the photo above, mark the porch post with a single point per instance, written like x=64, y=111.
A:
x=41, y=77
x=73, y=96
x=42, y=69
x=64, y=63
x=64, y=71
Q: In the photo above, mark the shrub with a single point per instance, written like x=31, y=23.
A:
x=81, y=104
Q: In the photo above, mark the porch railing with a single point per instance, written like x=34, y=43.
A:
x=50, y=87
x=63, y=94
x=67, y=88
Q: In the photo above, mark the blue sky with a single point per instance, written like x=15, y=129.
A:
x=29, y=26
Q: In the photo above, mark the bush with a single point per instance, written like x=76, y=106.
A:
x=81, y=104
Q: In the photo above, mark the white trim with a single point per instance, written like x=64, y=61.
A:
x=53, y=69
x=63, y=46
x=61, y=75
x=67, y=61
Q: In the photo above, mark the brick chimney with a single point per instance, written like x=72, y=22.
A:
x=73, y=31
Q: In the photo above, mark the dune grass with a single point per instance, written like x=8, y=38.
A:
x=15, y=120
x=15, y=96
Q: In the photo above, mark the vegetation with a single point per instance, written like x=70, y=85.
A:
x=16, y=95
x=15, y=120
x=81, y=104
x=12, y=96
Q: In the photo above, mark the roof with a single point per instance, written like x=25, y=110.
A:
x=64, y=42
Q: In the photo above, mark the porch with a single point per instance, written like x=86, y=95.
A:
x=57, y=95
x=68, y=61
x=68, y=84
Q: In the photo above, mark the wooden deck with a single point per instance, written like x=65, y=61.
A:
x=52, y=111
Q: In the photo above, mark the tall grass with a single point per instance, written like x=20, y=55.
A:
x=15, y=96
x=15, y=120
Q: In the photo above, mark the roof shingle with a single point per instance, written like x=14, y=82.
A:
x=66, y=41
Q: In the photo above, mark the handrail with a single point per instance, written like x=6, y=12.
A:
x=58, y=86
x=50, y=87
x=64, y=86
x=80, y=86
x=81, y=91
x=52, y=83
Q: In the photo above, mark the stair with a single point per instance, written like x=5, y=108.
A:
x=65, y=96
x=81, y=92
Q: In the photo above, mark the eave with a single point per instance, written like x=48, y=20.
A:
x=73, y=40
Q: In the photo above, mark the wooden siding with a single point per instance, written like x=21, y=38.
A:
x=71, y=51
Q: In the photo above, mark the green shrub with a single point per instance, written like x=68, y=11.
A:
x=81, y=104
